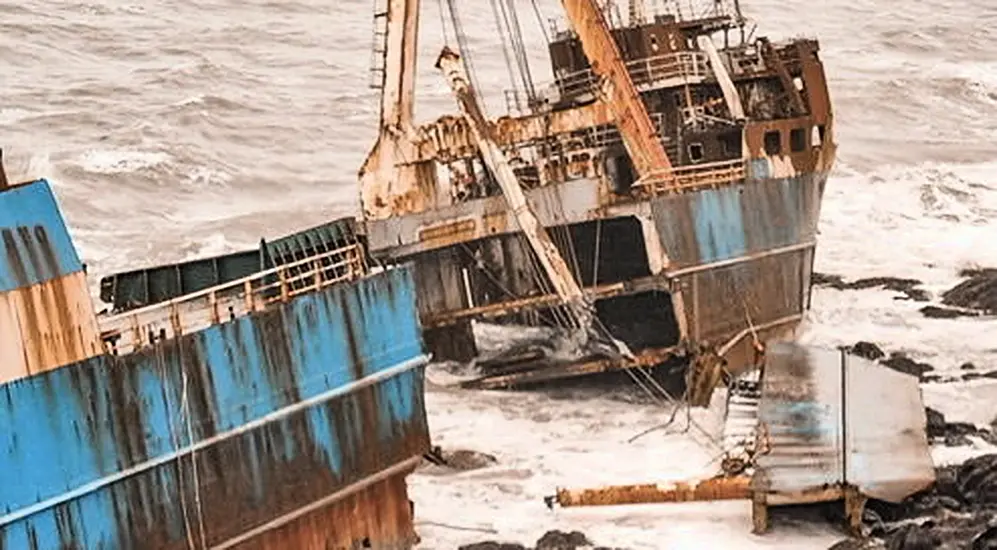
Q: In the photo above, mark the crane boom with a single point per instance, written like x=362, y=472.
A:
x=639, y=134
x=550, y=258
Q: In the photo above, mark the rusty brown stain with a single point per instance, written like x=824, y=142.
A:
x=448, y=233
x=713, y=489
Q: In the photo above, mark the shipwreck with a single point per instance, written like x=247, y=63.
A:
x=658, y=201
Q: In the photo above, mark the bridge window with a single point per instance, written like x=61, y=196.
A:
x=773, y=142
x=695, y=152
x=797, y=139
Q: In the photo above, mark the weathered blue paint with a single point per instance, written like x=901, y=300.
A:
x=719, y=227
x=32, y=227
x=713, y=225
x=758, y=169
x=77, y=425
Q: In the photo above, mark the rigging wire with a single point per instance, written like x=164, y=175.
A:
x=443, y=22
x=564, y=317
x=540, y=21
x=511, y=15
x=505, y=47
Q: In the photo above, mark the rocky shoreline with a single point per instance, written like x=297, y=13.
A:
x=958, y=512
x=899, y=361
x=975, y=296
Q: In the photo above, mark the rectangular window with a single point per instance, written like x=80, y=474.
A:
x=773, y=142
x=797, y=139
x=695, y=152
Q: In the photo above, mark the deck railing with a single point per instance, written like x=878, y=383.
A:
x=692, y=177
x=133, y=330
x=649, y=70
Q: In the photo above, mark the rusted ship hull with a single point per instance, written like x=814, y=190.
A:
x=739, y=255
x=284, y=418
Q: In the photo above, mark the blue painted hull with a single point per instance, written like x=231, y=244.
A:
x=291, y=427
x=749, y=243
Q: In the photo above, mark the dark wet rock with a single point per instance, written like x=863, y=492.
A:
x=936, y=422
x=954, y=440
x=907, y=287
x=460, y=459
x=551, y=540
x=967, y=366
x=935, y=312
x=931, y=378
x=492, y=545
x=899, y=361
x=978, y=375
x=914, y=537
x=958, y=512
x=987, y=540
x=976, y=480
x=867, y=350
x=559, y=540
x=858, y=544
x=978, y=292
x=954, y=434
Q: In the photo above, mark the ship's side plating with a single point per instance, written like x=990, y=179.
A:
x=718, y=258
x=286, y=426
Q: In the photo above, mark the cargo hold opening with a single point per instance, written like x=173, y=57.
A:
x=612, y=251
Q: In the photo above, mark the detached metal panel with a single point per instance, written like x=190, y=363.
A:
x=889, y=456
x=834, y=420
x=288, y=428
x=801, y=414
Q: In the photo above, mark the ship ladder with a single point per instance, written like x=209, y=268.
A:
x=741, y=422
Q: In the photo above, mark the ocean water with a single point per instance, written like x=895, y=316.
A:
x=173, y=129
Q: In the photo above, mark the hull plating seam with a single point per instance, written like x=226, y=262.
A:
x=399, y=468
x=262, y=421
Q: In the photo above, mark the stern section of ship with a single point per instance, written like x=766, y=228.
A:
x=256, y=415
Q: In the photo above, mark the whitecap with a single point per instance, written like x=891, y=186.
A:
x=121, y=161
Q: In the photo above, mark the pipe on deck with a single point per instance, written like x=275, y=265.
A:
x=717, y=488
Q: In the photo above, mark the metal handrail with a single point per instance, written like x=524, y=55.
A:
x=692, y=176
x=649, y=69
x=133, y=330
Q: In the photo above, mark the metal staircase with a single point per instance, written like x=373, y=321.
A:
x=741, y=419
